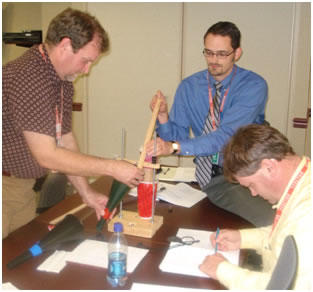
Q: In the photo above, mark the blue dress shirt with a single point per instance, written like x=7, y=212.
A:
x=244, y=104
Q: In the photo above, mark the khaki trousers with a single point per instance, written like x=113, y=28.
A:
x=18, y=203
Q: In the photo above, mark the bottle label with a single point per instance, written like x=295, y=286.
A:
x=117, y=265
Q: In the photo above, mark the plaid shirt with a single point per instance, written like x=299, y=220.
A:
x=31, y=89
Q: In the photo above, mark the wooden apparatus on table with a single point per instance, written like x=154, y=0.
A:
x=132, y=222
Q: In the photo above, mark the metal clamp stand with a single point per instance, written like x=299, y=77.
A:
x=122, y=157
x=154, y=191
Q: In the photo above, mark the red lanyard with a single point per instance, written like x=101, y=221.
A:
x=289, y=193
x=59, y=120
x=223, y=100
x=58, y=116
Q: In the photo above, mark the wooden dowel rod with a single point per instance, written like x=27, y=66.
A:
x=149, y=132
x=146, y=164
x=74, y=210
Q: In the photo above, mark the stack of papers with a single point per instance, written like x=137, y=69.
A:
x=186, y=259
x=181, y=174
x=92, y=253
x=180, y=194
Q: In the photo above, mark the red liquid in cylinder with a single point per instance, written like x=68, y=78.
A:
x=145, y=194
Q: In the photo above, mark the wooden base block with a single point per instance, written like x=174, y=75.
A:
x=134, y=225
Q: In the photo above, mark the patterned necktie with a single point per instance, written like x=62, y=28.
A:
x=204, y=163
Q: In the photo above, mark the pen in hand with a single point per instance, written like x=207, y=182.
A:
x=216, y=235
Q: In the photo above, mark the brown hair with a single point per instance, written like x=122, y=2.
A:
x=79, y=26
x=226, y=28
x=251, y=144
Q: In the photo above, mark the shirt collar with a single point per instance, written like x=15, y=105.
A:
x=225, y=82
x=303, y=161
x=47, y=61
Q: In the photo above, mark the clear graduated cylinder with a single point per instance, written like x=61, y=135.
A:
x=117, y=257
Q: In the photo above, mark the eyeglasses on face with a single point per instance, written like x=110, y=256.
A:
x=218, y=54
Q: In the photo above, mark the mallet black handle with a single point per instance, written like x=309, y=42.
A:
x=26, y=255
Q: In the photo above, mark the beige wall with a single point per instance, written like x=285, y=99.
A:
x=123, y=82
x=145, y=56
x=276, y=45
x=154, y=45
x=17, y=18
x=300, y=79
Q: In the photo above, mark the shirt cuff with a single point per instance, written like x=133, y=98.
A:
x=163, y=129
x=226, y=273
x=235, y=277
x=186, y=147
x=253, y=238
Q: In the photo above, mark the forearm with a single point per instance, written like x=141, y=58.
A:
x=234, y=277
x=169, y=131
x=77, y=164
x=67, y=159
x=80, y=183
x=253, y=238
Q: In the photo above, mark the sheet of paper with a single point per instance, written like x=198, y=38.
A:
x=186, y=259
x=95, y=253
x=54, y=263
x=180, y=174
x=8, y=286
x=180, y=194
x=150, y=287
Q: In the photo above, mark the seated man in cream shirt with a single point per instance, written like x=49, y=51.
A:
x=261, y=158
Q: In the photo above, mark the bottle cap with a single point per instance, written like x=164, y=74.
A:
x=118, y=227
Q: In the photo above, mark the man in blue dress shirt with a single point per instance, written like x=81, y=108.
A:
x=242, y=99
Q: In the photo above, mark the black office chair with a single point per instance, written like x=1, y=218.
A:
x=284, y=273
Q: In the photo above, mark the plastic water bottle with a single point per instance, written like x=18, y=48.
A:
x=117, y=257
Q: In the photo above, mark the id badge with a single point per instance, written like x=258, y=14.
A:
x=215, y=158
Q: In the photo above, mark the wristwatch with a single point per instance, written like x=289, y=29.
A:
x=175, y=147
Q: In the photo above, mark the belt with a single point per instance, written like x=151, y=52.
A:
x=5, y=173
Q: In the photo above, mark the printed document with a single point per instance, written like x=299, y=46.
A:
x=180, y=194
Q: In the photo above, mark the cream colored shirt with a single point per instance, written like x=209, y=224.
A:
x=295, y=220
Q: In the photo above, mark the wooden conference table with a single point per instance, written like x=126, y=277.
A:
x=203, y=215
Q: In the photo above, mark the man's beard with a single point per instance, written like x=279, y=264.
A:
x=215, y=69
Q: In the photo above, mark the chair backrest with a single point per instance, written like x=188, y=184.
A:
x=285, y=270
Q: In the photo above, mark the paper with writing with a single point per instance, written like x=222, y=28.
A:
x=186, y=259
